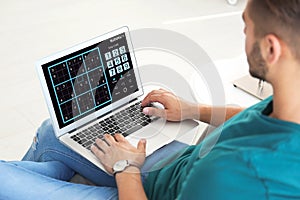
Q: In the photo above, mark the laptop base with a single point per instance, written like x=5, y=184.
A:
x=253, y=87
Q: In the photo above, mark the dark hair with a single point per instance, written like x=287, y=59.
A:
x=279, y=17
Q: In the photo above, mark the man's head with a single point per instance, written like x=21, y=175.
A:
x=272, y=31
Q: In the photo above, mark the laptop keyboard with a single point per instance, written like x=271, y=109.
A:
x=125, y=122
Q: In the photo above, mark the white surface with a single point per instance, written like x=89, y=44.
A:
x=33, y=29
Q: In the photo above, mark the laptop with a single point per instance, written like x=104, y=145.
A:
x=94, y=88
x=254, y=87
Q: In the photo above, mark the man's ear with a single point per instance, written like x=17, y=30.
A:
x=271, y=48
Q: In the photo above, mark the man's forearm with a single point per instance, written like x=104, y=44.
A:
x=130, y=185
x=213, y=115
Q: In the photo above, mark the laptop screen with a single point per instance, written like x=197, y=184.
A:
x=90, y=79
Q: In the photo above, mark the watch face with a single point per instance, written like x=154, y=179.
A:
x=120, y=165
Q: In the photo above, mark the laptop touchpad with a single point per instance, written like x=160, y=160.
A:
x=145, y=133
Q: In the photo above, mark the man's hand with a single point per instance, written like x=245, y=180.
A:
x=176, y=109
x=117, y=148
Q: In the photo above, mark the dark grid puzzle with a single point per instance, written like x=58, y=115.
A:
x=80, y=84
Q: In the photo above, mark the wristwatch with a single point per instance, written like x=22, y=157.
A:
x=121, y=165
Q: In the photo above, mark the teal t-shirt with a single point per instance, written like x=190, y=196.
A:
x=253, y=157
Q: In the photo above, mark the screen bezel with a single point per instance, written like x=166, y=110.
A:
x=81, y=122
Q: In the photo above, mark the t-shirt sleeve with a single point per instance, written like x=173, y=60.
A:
x=222, y=175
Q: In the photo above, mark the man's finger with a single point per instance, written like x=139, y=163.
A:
x=119, y=137
x=110, y=140
x=142, y=146
x=102, y=145
x=154, y=112
x=149, y=97
x=163, y=90
x=154, y=98
x=98, y=153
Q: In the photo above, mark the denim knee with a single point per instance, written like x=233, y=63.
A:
x=45, y=133
x=44, y=138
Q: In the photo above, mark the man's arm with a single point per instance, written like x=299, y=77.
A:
x=130, y=185
x=213, y=115
x=176, y=109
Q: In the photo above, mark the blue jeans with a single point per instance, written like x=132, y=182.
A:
x=48, y=165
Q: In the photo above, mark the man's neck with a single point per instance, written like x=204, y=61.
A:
x=286, y=101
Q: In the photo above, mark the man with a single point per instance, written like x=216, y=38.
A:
x=257, y=155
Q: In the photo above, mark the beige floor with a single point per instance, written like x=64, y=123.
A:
x=32, y=29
